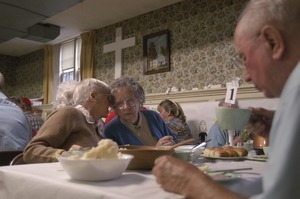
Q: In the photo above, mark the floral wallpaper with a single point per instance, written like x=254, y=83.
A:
x=23, y=75
x=201, y=45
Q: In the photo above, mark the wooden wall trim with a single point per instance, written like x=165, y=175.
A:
x=203, y=95
x=215, y=94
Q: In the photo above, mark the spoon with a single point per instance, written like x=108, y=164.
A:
x=182, y=143
x=198, y=146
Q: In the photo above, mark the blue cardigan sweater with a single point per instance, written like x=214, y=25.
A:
x=119, y=133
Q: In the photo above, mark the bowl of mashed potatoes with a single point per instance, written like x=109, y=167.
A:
x=100, y=163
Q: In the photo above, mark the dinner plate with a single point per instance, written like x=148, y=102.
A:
x=225, y=158
x=258, y=158
x=224, y=176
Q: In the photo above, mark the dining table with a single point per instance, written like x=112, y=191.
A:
x=248, y=172
x=50, y=180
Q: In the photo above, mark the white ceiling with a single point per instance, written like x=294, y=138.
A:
x=85, y=16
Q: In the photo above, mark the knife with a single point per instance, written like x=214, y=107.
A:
x=229, y=170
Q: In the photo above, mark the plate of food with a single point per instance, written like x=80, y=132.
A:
x=225, y=158
x=225, y=153
x=224, y=176
x=258, y=158
x=101, y=163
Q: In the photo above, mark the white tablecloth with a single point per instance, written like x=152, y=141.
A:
x=49, y=180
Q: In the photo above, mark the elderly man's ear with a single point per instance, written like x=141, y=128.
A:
x=274, y=41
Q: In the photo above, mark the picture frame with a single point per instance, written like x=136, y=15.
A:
x=156, y=52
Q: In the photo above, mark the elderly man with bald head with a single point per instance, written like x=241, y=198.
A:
x=267, y=40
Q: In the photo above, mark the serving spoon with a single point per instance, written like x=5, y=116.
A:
x=203, y=144
x=182, y=143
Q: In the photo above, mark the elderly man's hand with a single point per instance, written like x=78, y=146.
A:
x=174, y=175
x=177, y=176
x=260, y=121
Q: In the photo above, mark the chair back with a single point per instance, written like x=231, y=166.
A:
x=18, y=160
x=7, y=156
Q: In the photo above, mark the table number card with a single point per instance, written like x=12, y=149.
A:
x=230, y=98
x=231, y=94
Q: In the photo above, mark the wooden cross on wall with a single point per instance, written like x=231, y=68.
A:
x=117, y=46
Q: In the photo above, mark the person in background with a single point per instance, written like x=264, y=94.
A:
x=173, y=115
x=71, y=127
x=36, y=121
x=19, y=102
x=37, y=111
x=15, y=130
x=111, y=115
x=134, y=126
x=218, y=136
x=267, y=39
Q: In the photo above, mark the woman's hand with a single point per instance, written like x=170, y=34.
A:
x=165, y=141
x=76, y=147
x=260, y=121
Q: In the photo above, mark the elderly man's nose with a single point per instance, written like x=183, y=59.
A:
x=247, y=77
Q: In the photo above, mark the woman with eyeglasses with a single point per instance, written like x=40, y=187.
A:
x=132, y=125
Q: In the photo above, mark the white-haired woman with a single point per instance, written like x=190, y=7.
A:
x=64, y=94
x=71, y=127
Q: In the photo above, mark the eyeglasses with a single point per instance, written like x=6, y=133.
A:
x=238, y=61
x=129, y=103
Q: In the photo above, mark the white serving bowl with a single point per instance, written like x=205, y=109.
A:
x=232, y=118
x=95, y=169
x=185, y=153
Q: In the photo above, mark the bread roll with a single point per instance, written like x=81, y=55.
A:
x=219, y=152
x=232, y=152
x=225, y=151
x=207, y=152
x=241, y=151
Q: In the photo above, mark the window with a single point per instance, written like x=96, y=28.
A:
x=70, y=60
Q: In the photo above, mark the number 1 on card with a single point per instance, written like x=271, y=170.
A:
x=231, y=94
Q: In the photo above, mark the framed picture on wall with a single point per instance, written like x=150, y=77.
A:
x=156, y=52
